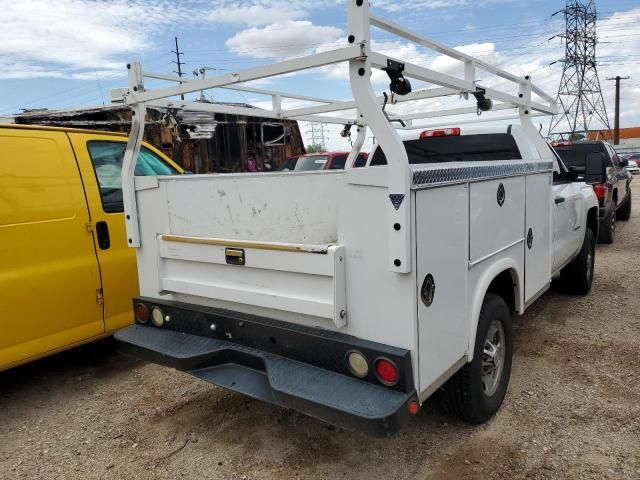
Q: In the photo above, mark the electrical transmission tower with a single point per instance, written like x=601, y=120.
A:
x=317, y=135
x=579, y=96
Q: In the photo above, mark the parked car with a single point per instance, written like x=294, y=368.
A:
x=614, y=195
x=66, y=273
x=321, y=161
x=632, y=163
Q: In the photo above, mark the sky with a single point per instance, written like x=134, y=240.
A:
x=60, y=54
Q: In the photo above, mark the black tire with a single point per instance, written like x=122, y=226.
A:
x=624, y=213
x=465, y=394
x=607, y=232
x=577, y=277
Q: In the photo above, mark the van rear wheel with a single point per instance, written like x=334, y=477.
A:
x=477, y=390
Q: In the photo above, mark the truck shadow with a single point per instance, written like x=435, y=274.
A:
x=97, y=360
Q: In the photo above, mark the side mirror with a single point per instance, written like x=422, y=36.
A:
x=624, y=162
x=595, y=169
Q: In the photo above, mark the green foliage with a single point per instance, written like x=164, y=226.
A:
x=314, y=148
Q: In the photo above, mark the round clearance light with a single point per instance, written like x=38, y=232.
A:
x=357, y=364
x=142, y=313
x=414, y=407
x=157, y=316
x=386, y=371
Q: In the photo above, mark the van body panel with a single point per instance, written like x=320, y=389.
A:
x=59, y=287
x=49, y=278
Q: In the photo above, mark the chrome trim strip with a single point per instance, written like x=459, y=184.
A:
x=427, y=177
x=283, y=247
x=500, y=250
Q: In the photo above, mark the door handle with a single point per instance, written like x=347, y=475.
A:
x=102, y=231
x=559, y=200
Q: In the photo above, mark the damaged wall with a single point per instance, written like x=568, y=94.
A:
x=200, y=142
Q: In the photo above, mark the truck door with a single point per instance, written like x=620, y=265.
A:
x=100, y=159
x=567, y=213
x=49, y=275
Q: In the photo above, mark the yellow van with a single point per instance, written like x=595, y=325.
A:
x=66, y=274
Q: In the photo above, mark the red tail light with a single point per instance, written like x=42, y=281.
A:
x=443, y=132
x=601, y=190
x=414, y=407
x=142, y=313
x=386, y=371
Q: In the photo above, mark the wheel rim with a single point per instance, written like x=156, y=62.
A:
x=493, y=357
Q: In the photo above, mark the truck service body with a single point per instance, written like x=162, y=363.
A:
x=354, y=295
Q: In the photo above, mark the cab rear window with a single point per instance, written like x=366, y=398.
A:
x=107, y=160
x=576, y=155
x=466, y=148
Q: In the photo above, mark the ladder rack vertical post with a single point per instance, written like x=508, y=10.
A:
x=138, y=113
x=399, y=258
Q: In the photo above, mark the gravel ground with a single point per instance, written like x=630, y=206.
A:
x=572, y=409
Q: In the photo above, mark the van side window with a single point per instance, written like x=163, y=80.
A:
x=107, y=160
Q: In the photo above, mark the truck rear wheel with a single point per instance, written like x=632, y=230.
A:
x=608, y=228
x=477, y=390
x=577, y=277
x=624, y=213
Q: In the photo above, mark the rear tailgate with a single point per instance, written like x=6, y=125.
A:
x=265, y=241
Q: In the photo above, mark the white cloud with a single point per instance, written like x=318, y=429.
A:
x=287, y=38
x=66, y=35
x=420, y=5
x=256, y=15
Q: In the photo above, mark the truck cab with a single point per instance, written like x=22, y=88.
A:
x=573, y=200
x=614, y=194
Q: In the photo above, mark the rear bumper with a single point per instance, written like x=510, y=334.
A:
x=318, y=391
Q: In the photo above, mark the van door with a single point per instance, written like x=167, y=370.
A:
x=100, y=159
x=49, y=276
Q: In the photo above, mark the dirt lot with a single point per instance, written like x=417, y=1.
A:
x=572, y=410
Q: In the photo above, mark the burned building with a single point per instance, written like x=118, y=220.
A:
x=199, y=142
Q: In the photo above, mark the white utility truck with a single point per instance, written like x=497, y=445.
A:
x=353, y=296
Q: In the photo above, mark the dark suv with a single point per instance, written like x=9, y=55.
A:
x=614, y=195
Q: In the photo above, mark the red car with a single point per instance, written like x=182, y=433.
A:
x=321, y=161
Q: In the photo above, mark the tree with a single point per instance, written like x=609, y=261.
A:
x=314, y=148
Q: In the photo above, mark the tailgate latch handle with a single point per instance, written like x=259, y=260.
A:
x=234, y=256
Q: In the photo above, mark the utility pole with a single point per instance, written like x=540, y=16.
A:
x=178, y=62
x=616, y=125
